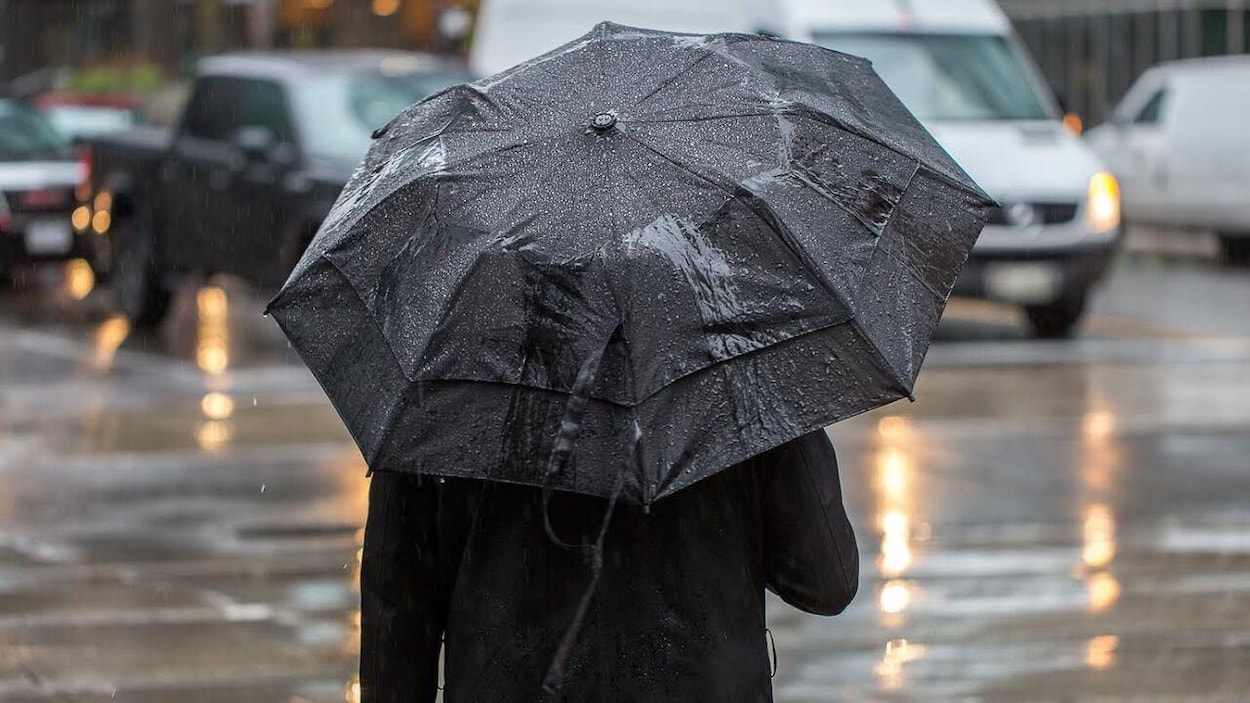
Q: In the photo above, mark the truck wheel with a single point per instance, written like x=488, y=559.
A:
x=136, y=285
x=1235, y=248
x=1057, y=320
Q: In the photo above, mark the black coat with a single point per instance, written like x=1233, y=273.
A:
x=677, y=616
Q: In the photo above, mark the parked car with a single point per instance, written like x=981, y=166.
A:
x=38, y=175
x=78, y=116
x=241, y=185
x=957, y=65
x=511, y=31
x=1178, y=143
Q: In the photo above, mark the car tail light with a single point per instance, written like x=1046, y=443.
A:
x=83, y=191
x=6, y=216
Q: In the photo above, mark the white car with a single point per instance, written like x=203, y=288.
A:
x=958, y=66
x=1180, y=146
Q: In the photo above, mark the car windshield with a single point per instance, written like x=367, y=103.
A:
x=25, y=133
x=950, y=77
x=339, y=112
x=85, y=121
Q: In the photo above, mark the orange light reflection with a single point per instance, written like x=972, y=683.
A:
x=217, y=406
x=212, y=352
x=1099, y=535
x=79, y=279
x=897, y=653
x=1104, y=591
x=213, y=435
x=108, y=339
x=1100, y=652
x=895, y=466
x=895, y=597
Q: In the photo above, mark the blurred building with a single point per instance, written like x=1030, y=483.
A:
x=1092, y=50
x=37, y=35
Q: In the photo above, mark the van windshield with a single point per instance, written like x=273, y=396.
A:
x=950, y=76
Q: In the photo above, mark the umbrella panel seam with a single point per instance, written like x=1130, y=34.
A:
x=773, y=222
x=815, y=115
x=643, y=399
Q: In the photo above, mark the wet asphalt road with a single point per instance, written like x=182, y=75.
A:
x=180, y=511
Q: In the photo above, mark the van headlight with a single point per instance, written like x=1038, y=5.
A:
x=1102, y=207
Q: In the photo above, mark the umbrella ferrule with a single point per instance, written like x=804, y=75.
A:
x=603, y=121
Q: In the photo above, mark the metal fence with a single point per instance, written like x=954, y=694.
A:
x=1092, y=50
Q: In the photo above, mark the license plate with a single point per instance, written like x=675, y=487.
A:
x=1024, y=283
x=44, y=237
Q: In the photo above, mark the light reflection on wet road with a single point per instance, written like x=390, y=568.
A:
x=180, y=510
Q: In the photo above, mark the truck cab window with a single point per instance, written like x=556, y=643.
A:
x=212, y=113
x=264, y=104
x=221, y=106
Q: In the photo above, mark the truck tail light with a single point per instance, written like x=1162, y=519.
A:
x=83, y=190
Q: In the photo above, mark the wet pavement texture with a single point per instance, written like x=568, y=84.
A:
x=180, y=510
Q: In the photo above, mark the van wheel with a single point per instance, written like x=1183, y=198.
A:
x=1235, y=248
x=1057, y=320
x=136, y=285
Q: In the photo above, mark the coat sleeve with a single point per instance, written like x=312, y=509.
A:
x=402, y=612
x=810, y=556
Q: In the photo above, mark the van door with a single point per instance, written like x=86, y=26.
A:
x=1210, y=157
x=1140, y=158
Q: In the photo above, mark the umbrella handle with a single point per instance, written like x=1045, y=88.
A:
x=566, y=439
x=553, y=682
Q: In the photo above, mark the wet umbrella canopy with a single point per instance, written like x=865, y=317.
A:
x=683, y=249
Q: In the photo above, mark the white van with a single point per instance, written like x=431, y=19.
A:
x=511, y=31
x=1179, y=143
x=958, y=66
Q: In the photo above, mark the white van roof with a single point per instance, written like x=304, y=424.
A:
x=932, y=16
x=511, y=31
x=1209, y=65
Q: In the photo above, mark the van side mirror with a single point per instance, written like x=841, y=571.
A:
x=1071, y=121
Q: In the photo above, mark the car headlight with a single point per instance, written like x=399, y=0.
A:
x=1102, y=207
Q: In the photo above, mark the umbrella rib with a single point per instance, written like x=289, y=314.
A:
x=435, y=176
x=898, y=375
x=876, y=246
x=552, y=165
x=673, y=78
x=886, y=366
x=707, y=118
x=392, y=414
x=882, y=364
x=820, y=116
x=774, y=222
x=824, y=119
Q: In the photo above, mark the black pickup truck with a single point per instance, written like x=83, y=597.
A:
x=240, y=186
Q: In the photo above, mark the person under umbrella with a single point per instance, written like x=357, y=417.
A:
x=586, y=319
x=677, y=614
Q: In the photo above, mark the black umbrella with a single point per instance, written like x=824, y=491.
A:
x=731, y=241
